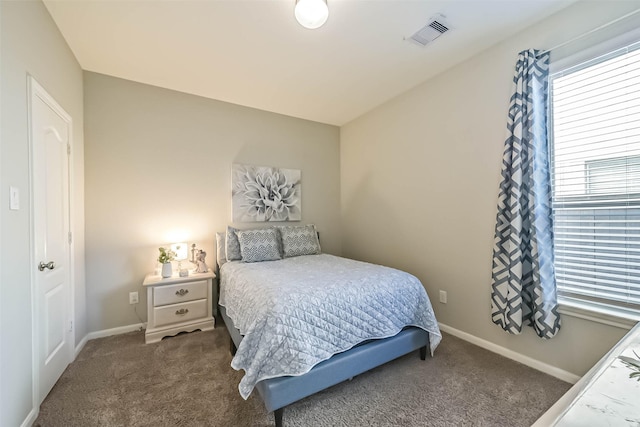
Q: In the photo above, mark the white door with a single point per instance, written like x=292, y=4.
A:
x=50, y=133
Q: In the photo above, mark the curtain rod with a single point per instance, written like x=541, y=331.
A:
x=589, y=32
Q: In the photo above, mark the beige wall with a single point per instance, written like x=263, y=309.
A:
x=31, y=44
x=419, y=180
x=158, y=170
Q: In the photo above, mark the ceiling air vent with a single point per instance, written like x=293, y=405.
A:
x=436, y=27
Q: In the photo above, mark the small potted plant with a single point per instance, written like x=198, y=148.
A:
x=165, y=258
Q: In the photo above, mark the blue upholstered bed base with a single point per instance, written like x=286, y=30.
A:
x=280, y=392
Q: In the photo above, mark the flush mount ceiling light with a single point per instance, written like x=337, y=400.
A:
x=311, y=14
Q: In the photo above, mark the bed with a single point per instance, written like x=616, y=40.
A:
x=300, y=324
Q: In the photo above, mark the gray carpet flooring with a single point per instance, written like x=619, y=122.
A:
x=187, y=381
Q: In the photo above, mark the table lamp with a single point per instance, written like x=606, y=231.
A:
x=181, y=251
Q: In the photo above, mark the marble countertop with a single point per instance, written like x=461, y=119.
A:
x=608, y=395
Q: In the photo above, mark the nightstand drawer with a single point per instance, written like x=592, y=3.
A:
x=179, y=313
x=173, y=294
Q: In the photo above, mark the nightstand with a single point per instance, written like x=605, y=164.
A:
x=178, y=304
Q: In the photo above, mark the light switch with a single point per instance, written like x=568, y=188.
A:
x=14, y=198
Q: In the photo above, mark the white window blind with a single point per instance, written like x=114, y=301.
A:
x=595, y=157
x=607, y=176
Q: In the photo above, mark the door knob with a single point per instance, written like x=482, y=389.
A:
x=50, y=265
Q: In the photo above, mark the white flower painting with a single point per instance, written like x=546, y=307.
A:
x=263, y=193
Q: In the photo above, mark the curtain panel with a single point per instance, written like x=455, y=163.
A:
x=523, y=288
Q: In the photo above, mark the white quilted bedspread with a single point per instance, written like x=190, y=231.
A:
x=297, y=312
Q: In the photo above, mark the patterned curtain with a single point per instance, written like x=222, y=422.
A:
x=523, y=288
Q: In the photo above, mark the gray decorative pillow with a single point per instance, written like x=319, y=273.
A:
x=233, y=245
x=299, y=240
x=259, y=245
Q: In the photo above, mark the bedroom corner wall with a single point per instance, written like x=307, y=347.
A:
x=30, y=44
x=419, y=185
x=158, y=171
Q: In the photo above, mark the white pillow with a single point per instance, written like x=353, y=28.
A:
x=221, y=252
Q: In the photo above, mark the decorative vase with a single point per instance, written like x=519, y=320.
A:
x=166, y=270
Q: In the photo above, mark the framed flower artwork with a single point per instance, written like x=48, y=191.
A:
x=262, y=193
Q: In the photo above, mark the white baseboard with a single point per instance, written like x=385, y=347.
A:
x=31, y=418
x=510, y=354
x=80, y=346
x=106, y=333
x=116, y=331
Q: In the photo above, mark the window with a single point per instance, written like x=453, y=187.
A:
x=595, y=158
x=617, y=175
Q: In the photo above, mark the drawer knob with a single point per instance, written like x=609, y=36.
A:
x=182, y=311
x=182, y=292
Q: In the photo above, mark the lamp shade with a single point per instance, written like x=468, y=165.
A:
x=311, y=14
x=181, y=250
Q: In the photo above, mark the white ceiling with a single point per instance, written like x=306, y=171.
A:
x=254, y=53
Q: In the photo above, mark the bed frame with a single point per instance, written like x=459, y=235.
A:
x=280, y=392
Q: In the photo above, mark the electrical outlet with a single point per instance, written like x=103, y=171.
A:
x=133, y=297
x=443, y=297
